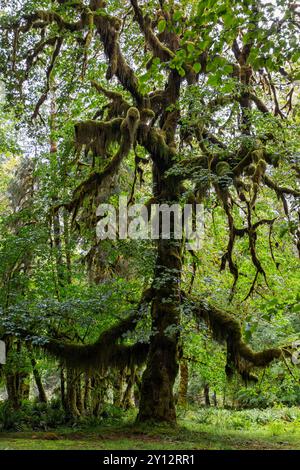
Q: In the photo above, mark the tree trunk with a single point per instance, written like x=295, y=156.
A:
x=79, y=400
x=63, y=389
x=87, y=394
x=157, y=400
x=17, y=381
x=183, y=384
x=119, y=388
x=13, y=391
x=67, y=246
x=71, y=396
x=128, y=397
x=38, y=381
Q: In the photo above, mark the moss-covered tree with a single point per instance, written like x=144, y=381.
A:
x=212, y=103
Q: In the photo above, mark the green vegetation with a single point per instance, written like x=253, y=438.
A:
x=204, y=429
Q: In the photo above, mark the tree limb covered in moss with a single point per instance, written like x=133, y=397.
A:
x=97, y=136
x=108, y=28
x=41, y=18
x=107, y=350
x=56, y=50
x=226, y=328
x=280, y=189
x=158, y=48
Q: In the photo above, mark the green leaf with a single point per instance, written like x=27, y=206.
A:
x=214, y=80
x=161, y=26
x=197, y=67
x=177, y=15
x=190, y=47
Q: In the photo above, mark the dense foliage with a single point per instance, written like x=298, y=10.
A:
x=163, y=102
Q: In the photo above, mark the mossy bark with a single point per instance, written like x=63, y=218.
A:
x=157, y=400
x=128, y=397
x=17, y=381
x=87, y=400
x=184, y=381
x=71, y=395
x=38, y=381
x=100, y=385
x=119, y=388
x=79, y=397
x=63, y=388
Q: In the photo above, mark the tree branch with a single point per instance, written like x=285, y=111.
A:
x=226, y=328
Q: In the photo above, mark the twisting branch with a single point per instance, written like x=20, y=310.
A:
x=259, y=103
x=42, y=18
x=227, y=257
x=280, y=189
x=108, y=28
x=43, y=98
x=97, y=136
x=226, y=328
x=107, y=350
x=40, y=47
x=118, y=105
x=277, y=110
x=157, y=47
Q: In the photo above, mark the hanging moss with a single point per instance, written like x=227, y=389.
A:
x=117, y=106
x=226, y=328
x=107, y=351
x=100, y=355
x=103, y=353
x=97, y=136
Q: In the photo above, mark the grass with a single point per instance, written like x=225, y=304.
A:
x=200, y=429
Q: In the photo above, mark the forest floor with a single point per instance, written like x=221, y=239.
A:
x=204, y=429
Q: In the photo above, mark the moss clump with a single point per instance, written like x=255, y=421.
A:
x=225, y=328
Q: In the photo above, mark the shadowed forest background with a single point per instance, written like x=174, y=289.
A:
x=165, y=102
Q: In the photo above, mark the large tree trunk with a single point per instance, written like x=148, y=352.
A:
x=119, y=387
x=100, y=383
x=157, y=400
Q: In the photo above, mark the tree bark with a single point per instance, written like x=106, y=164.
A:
x=183, y=384
x=214, y=397
x=157, y=400
x=71, y=396
x=79, y=399
x=63, y=389
x=17, y=381
x=38, y=381
x=87, y=394
x=119, y=388
x=206, y=395
x=128, y=397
